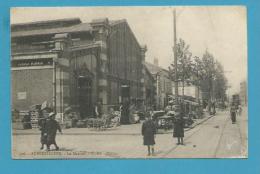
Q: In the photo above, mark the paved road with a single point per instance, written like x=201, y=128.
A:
x=215, y=138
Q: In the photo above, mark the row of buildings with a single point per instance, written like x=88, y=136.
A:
x=68, y=63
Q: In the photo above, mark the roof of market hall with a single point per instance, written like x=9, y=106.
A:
x=68, y=25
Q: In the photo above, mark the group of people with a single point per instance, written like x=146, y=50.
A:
x=48, y=127
x=149, y=131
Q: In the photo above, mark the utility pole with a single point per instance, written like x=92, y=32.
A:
x=175, y=57
x=54, y=85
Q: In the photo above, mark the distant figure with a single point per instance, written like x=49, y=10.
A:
x=212, y=108
x=98, y=112
x=233, y=110
x=42, y=127
x=132, y=109
x=148, y=132
x=240, y=110
x=167, y=108
x=178, y=129
x=125, y=112
x=51, y=128
x=120, y=113
x=27, y=121
x=120, y=108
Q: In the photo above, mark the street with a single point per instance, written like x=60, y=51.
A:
x=216, y=137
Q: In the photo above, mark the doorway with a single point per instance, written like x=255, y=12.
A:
x=85, y=97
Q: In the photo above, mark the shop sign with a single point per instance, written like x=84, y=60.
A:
x=31, y=62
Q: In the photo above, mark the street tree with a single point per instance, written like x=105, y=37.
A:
x=208, y=63
x=198, y=72
x=220, y=83
x=213, y=75
x=184, y=65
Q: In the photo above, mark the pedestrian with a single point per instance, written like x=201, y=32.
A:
x=120, y=113
x=125, y=112
x=233, y=110
x=178, y=129
x=51, y=128
x=132, y=110
x=98, y=112
x=167, y=108
x=42, y=127
x=27, y=121
x=214, y=108
x=240, y=110
x=148, y=132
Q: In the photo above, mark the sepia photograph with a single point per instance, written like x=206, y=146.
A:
x=129, y=82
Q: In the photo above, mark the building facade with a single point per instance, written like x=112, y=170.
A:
x=73, y=64
x=189, y=90
x=150, y=90
x=163, y=84
x=243, y=93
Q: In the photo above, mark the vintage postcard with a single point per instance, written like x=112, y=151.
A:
x=129, y=82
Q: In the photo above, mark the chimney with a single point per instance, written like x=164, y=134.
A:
x=156, y=61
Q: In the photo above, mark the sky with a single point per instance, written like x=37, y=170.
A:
x=222, y=30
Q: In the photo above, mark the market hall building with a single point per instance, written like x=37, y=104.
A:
x=70, y=63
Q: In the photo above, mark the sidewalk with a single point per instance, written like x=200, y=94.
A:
x=133, y=129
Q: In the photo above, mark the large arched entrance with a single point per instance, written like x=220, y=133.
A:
x=84, y=91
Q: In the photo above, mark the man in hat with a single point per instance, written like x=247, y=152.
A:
x=51, y=128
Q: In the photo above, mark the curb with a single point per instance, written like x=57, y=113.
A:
x=200, y=122
x=189, y=128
